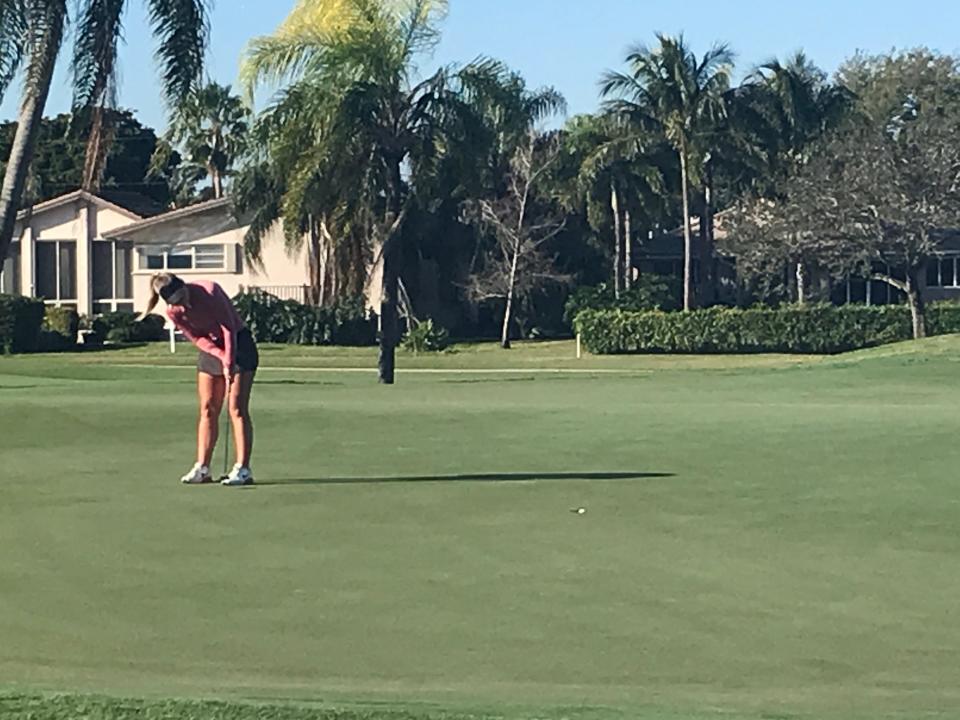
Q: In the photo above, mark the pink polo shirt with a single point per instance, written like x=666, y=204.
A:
x=211, y=322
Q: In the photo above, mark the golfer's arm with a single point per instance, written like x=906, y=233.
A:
x=229, y=355
x=205, y=344
x=228, y=331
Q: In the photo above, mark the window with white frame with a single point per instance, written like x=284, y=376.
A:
x=942, y=272
x=870, y=291
x=112, y=275
x=10, y=272
x=55, y=267
x=194, y=257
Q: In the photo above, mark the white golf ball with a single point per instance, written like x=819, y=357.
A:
x=581, y=511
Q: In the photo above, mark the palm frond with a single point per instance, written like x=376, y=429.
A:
x=418, y=23
x=271, y=60
x=13, y=29
x=257, y=196
x=719, y=59
x=98, y=33
x=45, y=23
x=182, y=30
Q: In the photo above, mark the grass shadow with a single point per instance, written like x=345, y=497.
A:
x=327, y=383
x=470, y=477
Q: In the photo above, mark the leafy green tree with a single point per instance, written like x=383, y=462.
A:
x=59, y=162
x=31, y=38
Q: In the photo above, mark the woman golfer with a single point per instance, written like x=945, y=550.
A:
x=226, y=367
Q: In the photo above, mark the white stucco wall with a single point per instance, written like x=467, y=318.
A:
x=280, y=270
x=81, y=221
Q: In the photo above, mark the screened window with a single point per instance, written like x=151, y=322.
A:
x=55, y=269
x=112, y=274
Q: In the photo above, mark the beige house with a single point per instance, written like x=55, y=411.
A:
x=96, y=254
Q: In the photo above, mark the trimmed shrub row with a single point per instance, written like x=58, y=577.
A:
x=59, y=332
x=21, y=320
x=123, y=327
x=27, y=325
x=273, y=320
x=819, y=329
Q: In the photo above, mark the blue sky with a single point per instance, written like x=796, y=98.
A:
x=568, y=43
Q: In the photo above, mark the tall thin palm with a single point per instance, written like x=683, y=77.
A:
x=180, y=27
x=620, y=172
x=670, y=89
x=210, y=130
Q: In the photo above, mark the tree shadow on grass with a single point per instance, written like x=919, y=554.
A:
x=471, y=477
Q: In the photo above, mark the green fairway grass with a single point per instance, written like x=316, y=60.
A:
x=764, y=537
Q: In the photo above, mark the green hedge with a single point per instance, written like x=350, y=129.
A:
x=819, y=329
x=21, y=320
x=123, y=327
x=60, y=328
x=271, y=319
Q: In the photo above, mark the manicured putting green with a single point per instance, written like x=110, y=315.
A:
x=763, y=537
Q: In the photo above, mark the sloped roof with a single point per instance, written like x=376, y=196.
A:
x=122, y=203
x=182, y=225
x=137, y=203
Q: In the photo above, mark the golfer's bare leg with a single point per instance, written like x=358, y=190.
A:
x=240, y=390
x=210, y=390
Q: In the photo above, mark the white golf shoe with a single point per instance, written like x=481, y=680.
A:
x=238, y=477
x=198, y=475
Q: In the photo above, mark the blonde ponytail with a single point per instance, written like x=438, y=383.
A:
x=158, y=281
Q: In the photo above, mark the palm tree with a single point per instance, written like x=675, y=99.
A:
x=354, y=141
x=180, y=27
x=620, y=173
x=668, y=88
x=370, y=129
x=799, y=106
x=209, y=130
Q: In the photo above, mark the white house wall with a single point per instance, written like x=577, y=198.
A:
x=84, y=221
x=79, y=221
x=281, y=272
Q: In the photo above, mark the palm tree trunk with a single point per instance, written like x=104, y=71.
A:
x=102, y=136
x=389, y=318
x=28, y=126
x=390, y=293
x=618, y=253
x=687, y=240
x=328, y=265
x=217, y=182
x=315, y=291
x=708, y=268
x=627, y=252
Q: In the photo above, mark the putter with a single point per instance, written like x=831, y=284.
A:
x=226, y=439
x=226, y=451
